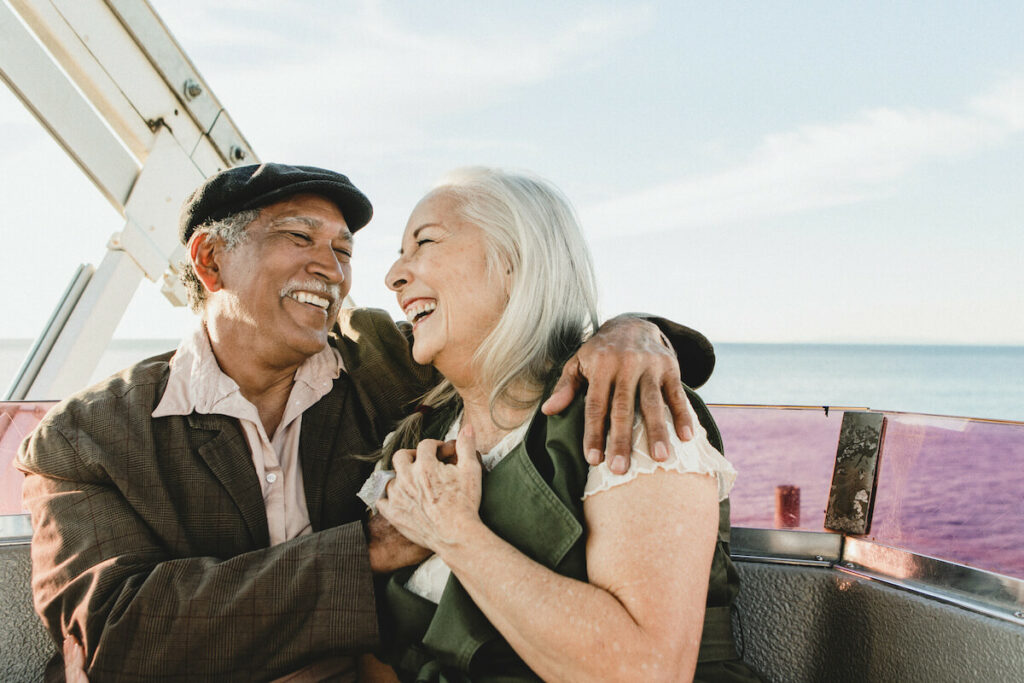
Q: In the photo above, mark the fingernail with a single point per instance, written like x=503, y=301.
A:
x=594, y=456
x=687, y=433
x=619, y=464
x=660, y=451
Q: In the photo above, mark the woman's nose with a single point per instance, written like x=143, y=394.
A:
x=397, y=276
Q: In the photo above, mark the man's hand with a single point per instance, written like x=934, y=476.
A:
x=627, y=358
x=74, y=661
x=389, y=549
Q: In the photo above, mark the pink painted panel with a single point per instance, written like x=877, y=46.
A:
x=16, y=421
x=953, y=488
x=948, y=487
x=779, y=447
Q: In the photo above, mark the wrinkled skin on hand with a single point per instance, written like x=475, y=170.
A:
x=628, y=362
x=433, y=503
x=389, y=549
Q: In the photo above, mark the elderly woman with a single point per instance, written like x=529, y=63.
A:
x=541, y=566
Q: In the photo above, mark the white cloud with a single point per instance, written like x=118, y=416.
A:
x=359, y=77
x=817, y=166
x=1004, y=103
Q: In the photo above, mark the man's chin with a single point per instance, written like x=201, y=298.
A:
x=310, y=343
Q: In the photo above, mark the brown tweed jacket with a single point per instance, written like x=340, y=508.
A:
x=151, y=541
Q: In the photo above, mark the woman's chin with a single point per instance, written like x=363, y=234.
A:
x=422, y=355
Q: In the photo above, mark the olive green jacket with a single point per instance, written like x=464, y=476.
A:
x=532, y=499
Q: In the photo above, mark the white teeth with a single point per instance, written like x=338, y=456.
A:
x=419, y=308
x=308, y=298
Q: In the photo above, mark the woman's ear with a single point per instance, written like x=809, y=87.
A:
x=204, y=252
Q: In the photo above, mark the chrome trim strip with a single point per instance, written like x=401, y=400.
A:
x=792, y=562
x=827, y=409
x=977, y=590
x=974, y=589
x=15, y=529
x=786, y=546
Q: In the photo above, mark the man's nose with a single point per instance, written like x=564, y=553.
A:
x=327, y=265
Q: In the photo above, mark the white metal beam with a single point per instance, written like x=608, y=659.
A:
x=126, y=63
x=88, y=330
x=151, y=234
x=110, y=83
x=58, y=104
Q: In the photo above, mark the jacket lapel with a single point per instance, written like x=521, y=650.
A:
x=317, y=438
x=227, y=454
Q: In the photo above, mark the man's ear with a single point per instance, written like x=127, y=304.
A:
x=205, y=252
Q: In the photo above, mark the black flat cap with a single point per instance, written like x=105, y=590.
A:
x=251, y=187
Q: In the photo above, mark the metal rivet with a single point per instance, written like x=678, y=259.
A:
x=237, y=153
x=192, y=89
x=1019, y=614
x=848, y=565
x=819, y=558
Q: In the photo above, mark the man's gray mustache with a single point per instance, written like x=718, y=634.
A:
x=332, y=292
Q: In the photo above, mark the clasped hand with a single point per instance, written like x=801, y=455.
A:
x=431, y=502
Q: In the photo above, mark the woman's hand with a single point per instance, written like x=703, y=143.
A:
x=433, y=503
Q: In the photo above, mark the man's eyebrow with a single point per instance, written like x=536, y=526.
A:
x=309, y=222
x=312, y=223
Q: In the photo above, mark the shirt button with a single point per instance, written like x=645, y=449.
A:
x=271, y=478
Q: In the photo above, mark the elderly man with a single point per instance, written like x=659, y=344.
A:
x=195, y=515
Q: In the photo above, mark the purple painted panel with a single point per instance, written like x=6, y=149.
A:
x=780, y=454
x=953, y=488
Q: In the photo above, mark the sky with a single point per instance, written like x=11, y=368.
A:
x=764, y=172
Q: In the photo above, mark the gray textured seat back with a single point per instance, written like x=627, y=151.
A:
x=820, y=624
x=797, y=624
x=25, y=646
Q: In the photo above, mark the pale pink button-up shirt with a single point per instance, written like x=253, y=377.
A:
x=196, y=383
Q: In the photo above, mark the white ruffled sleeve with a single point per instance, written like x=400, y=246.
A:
x=374, y=487
x=695, y=456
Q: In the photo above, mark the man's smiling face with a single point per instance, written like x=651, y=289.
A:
x=286, y=281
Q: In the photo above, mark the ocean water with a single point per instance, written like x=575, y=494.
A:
x=970, y=381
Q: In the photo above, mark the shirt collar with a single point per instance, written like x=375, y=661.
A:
x=196, y=382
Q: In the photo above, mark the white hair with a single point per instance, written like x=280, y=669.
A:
x=231, y=231
x=533, y=240
x=533, y=236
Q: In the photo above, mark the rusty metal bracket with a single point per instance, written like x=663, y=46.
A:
x=852, y=496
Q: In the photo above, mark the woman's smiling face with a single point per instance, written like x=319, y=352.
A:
x=444, y=287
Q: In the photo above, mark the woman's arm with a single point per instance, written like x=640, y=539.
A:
x=642, y=612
